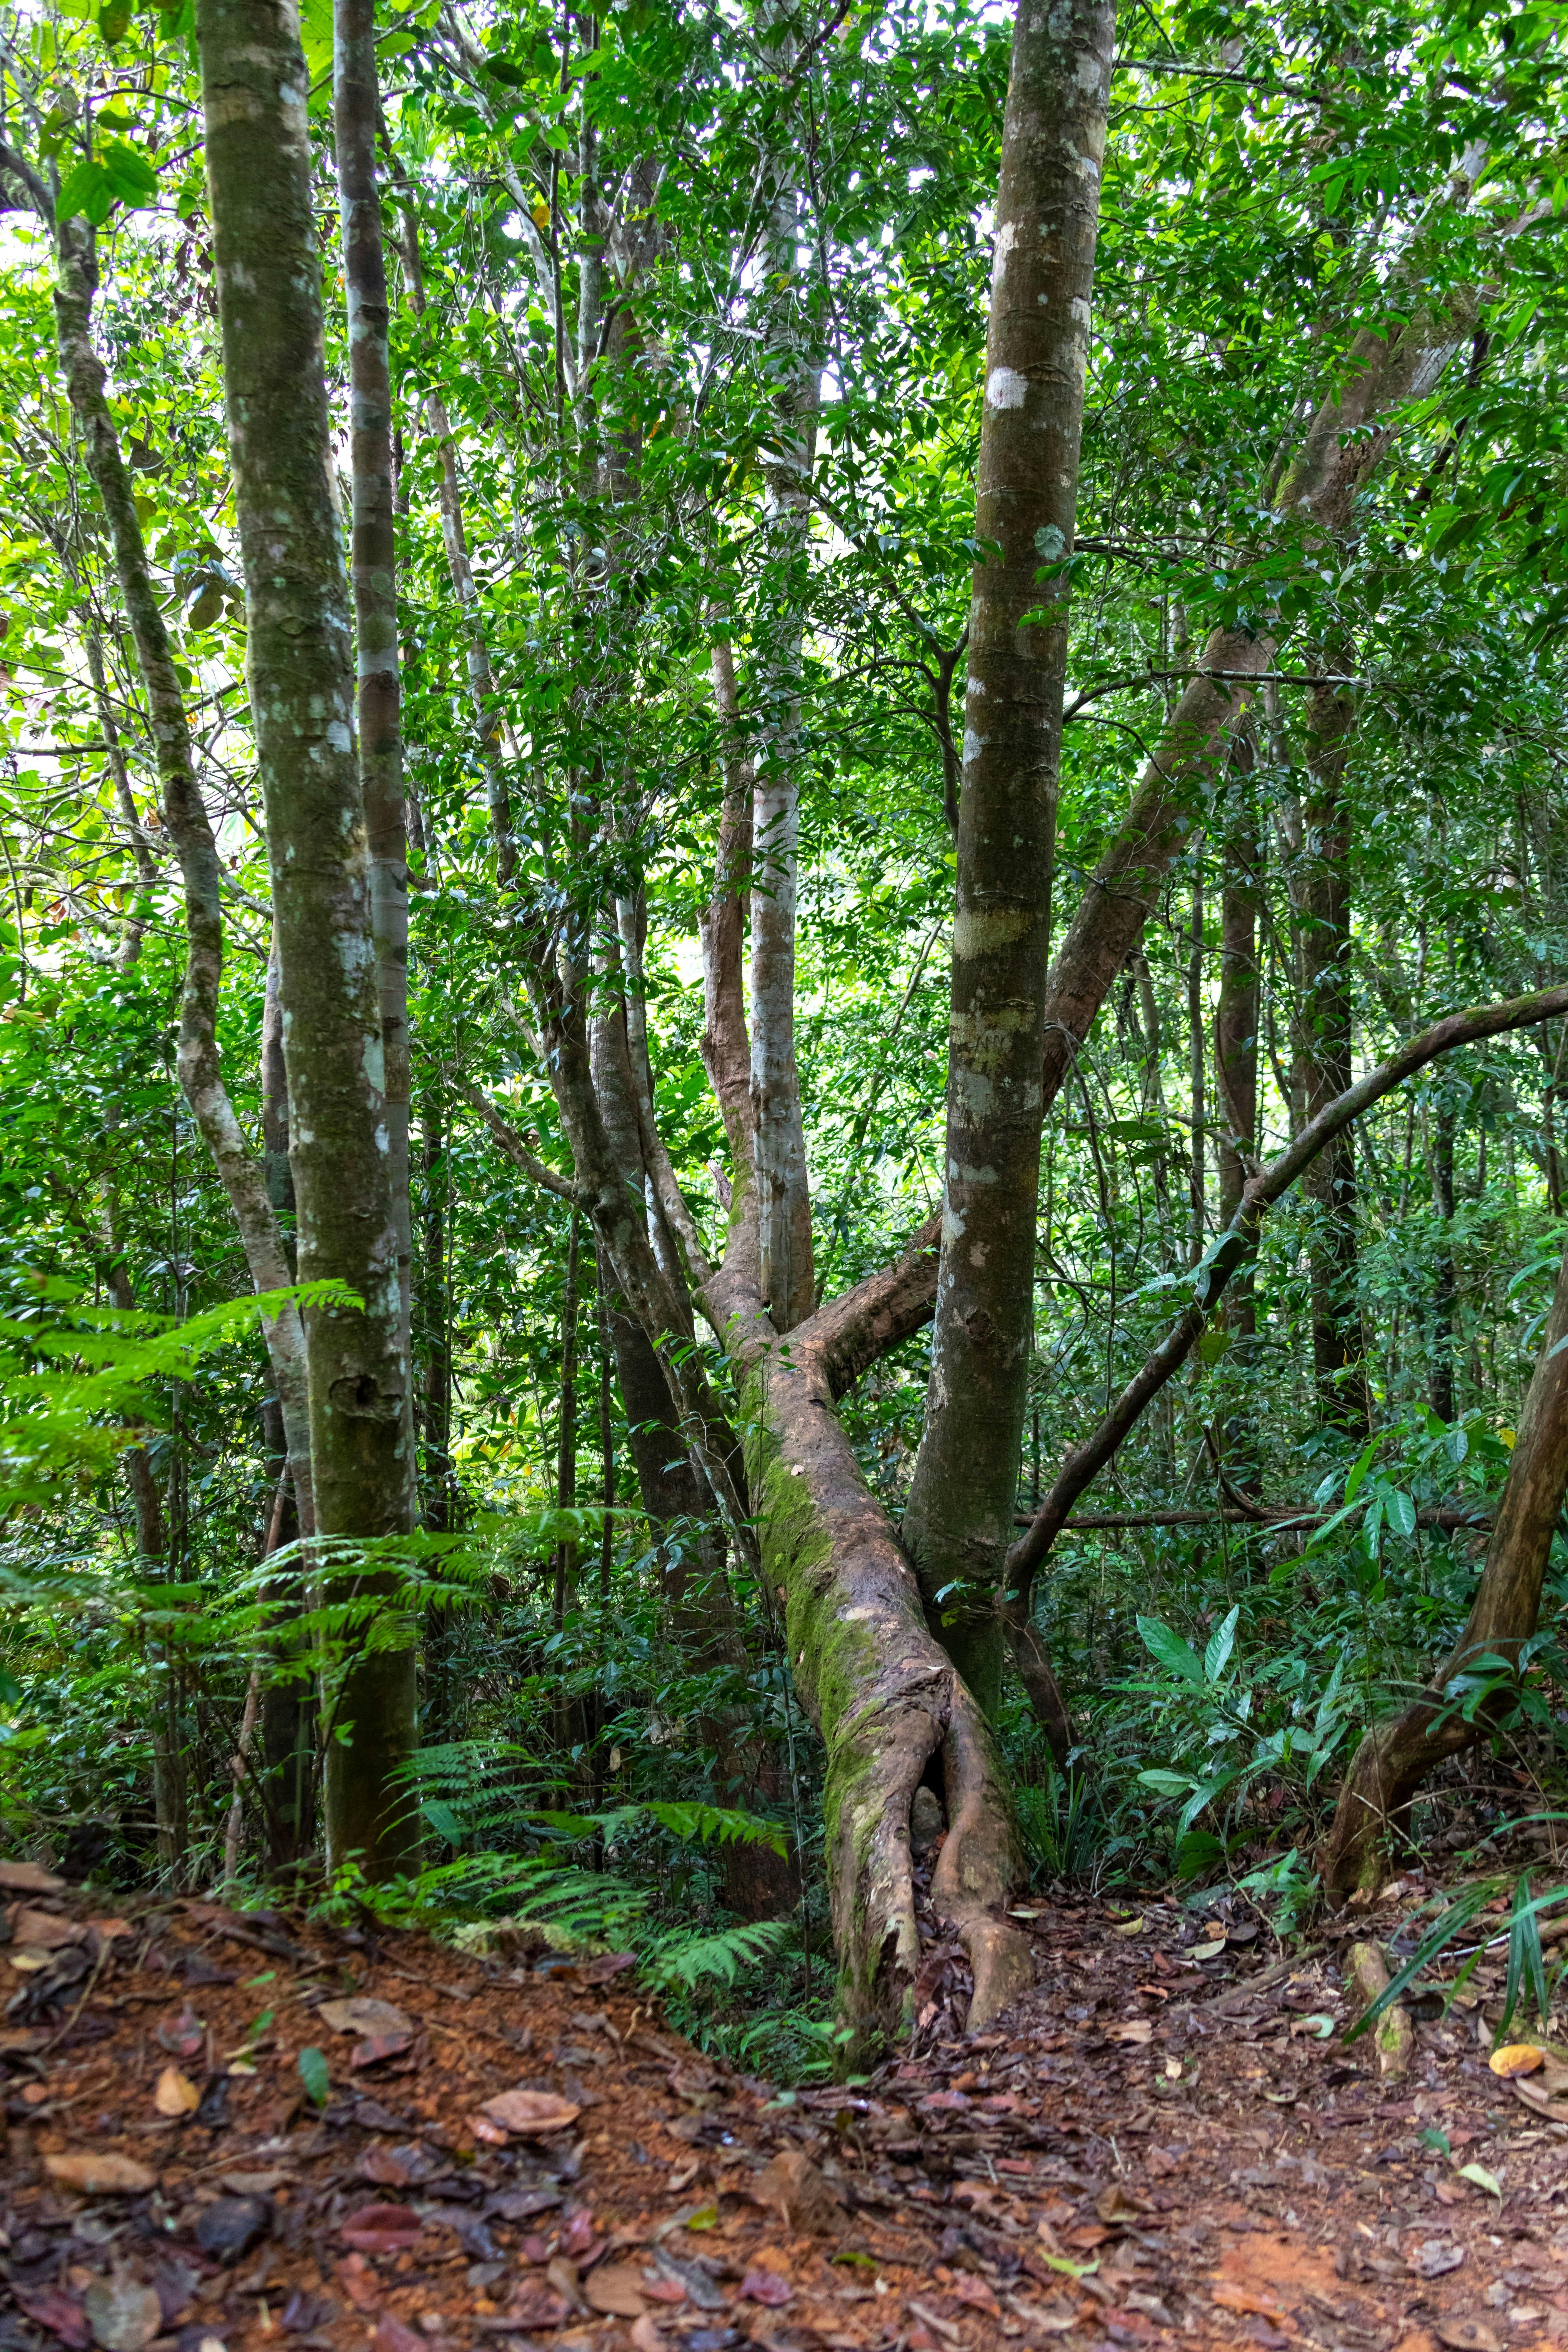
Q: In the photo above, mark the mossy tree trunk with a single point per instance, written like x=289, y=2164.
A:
x=959, y=1521
x=300, y=667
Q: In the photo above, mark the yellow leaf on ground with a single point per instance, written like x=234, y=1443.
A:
x=1516, y=2058
x=176, y=2095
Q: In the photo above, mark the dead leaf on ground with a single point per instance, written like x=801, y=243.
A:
x=646, y=2337
x=1435, y=2258
x=378, y=2046
x=101, y=2175
x=381, y=2228
x=528, y=2112
x=798, y=2192
x=48, y=2307
x=616, y=2288
x=30, y=1878
x=1115, y=2204
x=1129, y=1927
x=122, y=2314
x=1466, y=2336
x=1134, y=2030
x=394, y=2334
x=45, y=1930
x=1517, y=2058
x=176, y=2095
x=362, y=2015
x=1230, y=2295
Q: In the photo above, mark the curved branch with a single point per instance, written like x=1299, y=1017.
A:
x=1236, y=1243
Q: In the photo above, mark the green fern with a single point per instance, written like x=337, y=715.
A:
x=684, y=1959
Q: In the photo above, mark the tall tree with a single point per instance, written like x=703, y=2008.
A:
x=958, y=1523
x=300, y=669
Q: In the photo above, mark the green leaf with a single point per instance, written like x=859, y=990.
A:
x=84, y=190
x=1178, y=1657
x=1401, y=1508
x=1482, y=2179
x=1222, y=1642
x=316, y=2076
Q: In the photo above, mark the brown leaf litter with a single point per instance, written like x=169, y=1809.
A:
x=1166, y=2144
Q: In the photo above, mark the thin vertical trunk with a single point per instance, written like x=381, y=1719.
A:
x=566, y=1443
x=1324, y=901
x=482, y=683
x=958, y=1525
x=301, y=671
x=1444, y=1284
x=170, y=1808
x=190, y=830
x=778, y=1133
x=436, y=1317
x=1197, y=1047
x=136, y=833
x=373, y=572
x=1235, y=1074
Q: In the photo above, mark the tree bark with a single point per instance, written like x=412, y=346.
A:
x=1445, y=1285
x=1197, y=1047
x=1395, y=1757
x=1323, y=898
x=190, y=830
x=300, y=670
x=372, y=570
x=964, y=1489
x=778, y=1134
x=1236, y=1075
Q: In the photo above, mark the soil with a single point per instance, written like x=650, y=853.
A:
x=1168, y=2143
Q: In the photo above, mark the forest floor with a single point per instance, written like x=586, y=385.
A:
x=1156, y=2148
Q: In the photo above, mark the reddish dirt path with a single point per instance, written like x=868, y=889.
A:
x=1153, y=2150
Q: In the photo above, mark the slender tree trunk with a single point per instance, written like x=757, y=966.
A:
x=778, y=1134
x=435, y=1316
x=959, y=1520
x=184, y=814
x=1445, y=1285
x=1197, y=1047
x=300, y=669
x=1235, y=1074
x=373, y=573
x=1324, y=898
x=1397, y=1755
x=136, y=833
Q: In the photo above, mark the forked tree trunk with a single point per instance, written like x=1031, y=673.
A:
x=959, y=1520
x=1395, y=1757
x=300, y=672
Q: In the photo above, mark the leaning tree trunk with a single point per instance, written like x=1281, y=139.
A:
x=1395, y=1757
x=301, y=671
x=959, y=1520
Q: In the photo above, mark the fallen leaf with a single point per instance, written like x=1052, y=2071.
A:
x=1482, y=2178
x=965, y=2288
x=359, y=2282
x=1207, y=1951
x=646, y=2337
x=1435, y=2258
x=362, y=2015
x=381, y=2228
x=1319, y=2026
x=48, y=2307
x=253, y=2184
x=123, y=2315
x=528, y=2112
x=1516, y=2058
x=377, y=2046
x=1466, y=2336
x=943, y=2327
x=766, y=2286
x=1114, y=2204
x=394, y=2334
x=181, y=2036
x=176, y=2095
x=1130, y=1927
x=563, y=2276
x=1231, y=2295
x=27, y=1959
x=30, y=1878
x=45, y=1930
x=798, y=2193
x=1134, y=2030
x=102, y=2174
x=615, y=2288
